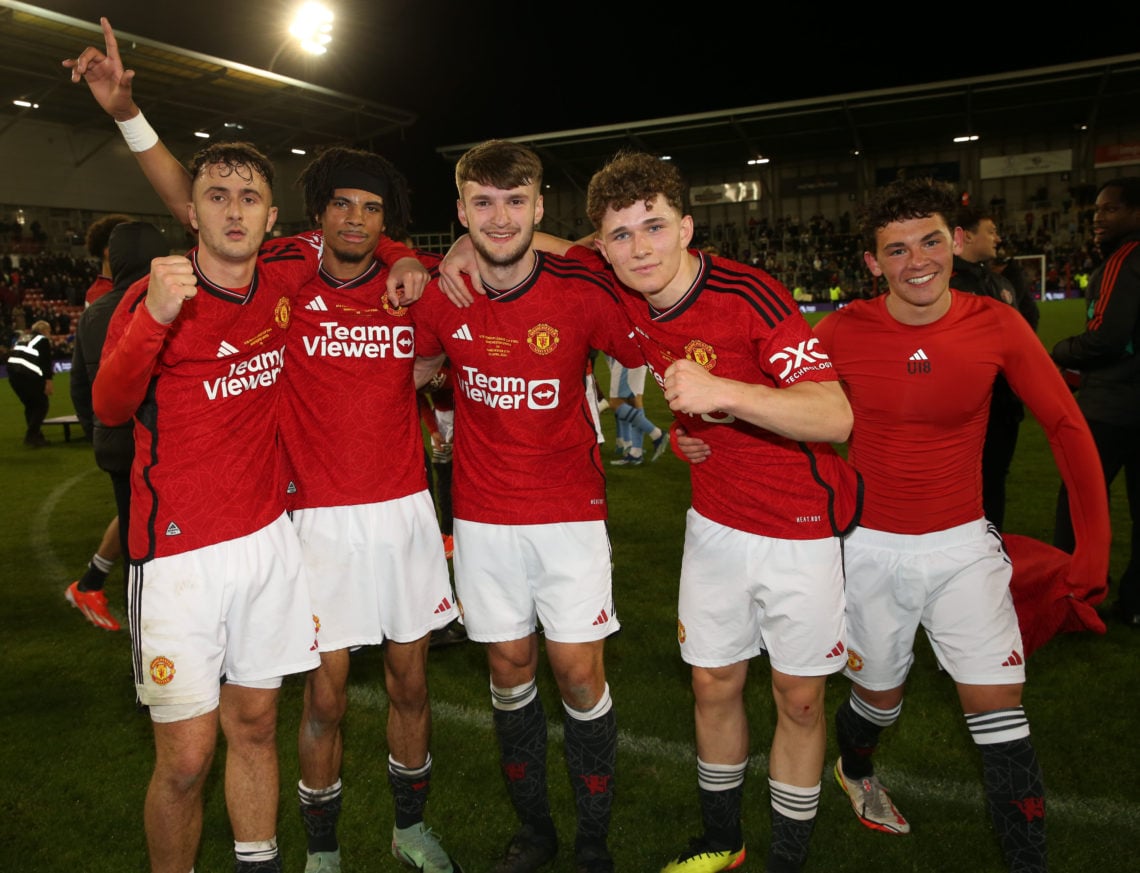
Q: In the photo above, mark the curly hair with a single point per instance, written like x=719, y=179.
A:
x=99, y=233
x=237, y=157
x=501, y=164
x=904, y=200
x=341, y=167
x=629, y=177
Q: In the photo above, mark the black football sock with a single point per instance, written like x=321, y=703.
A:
x=320, y=809
x=520, y=725
x=793, y=819
x=96, y=574
x=858, y=726
x=591, y=756
x=721, y=791
x=409, y=790
x=1015, y=787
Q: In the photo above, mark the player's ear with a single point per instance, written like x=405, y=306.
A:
x=539, y=209
x=686, y=230
x=461, y=211
x=192, y=216
x=872, y=264
x=959, y=236
x=271, y=219
x=600, y=245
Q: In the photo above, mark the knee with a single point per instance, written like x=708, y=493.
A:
x=184, y=768
x=250, y=728
x=582, y=687
x=712, y=685
x=799, y=700
x=325, y=706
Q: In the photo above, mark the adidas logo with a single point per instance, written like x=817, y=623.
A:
x=1014, y=660
x=444, y=606
x=225, y=350
x=173, y=530
x=291, y=488
x=837, y=651
x=464, y=333
x=317, y=304
x=918, y=363
x=602, y=618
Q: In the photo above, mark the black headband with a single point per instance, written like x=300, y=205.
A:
x=360, y=180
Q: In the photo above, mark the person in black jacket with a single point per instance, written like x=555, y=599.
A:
x=132, y=246
x=973, y=275
x=29, y=374
x=1105, y=356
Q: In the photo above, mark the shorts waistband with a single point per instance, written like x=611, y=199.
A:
x=927, y=542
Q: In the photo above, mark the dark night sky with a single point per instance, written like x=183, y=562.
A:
x=472, y=70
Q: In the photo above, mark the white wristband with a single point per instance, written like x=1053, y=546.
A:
x=138, y=133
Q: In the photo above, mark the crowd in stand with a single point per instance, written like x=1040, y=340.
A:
x=822, y=259
x=43, y=287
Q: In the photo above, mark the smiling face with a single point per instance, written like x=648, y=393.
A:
x=647, y=245
x=1113, y=217
x=916, y=257
x=501, y=221
x=352, y=223
x=232, y=210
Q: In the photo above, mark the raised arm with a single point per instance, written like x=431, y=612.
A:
x=110, y=85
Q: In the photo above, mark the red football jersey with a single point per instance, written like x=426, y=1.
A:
x=203, y=392
x=740, y=323
x=349, y=423
x=526, y=451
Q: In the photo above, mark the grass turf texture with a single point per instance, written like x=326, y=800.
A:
x=77, y=754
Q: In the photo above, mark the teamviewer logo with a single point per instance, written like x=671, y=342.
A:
x=542, y=394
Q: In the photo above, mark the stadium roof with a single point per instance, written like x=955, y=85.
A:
x=182, y=90
x=1059, y=101
x=178, y=89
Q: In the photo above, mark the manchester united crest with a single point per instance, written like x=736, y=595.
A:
x=399, y=311
x=161, y=670
x=542, y=339
x=680, y=632
x=854, y=661
x=281, y=313
x=701, y=353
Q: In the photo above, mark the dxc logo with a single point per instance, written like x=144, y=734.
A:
x=803, y=355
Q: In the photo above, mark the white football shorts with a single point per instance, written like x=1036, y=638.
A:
x=509, y=577
x=742, y=594
x=953, y=582
x=376, y=571
x=238, y=608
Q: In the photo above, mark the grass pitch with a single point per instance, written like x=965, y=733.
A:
x=77, y=754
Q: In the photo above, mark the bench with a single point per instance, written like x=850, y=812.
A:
x=65, y=421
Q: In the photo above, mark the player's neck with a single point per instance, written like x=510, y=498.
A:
x=226, y=272
x=679, y=285
x=342, y=270
x=505, y=277
x=915, y=315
